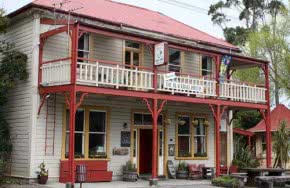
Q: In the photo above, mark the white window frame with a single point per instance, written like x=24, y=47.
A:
x=185, y=135
x=208, y=72
x=173, y=65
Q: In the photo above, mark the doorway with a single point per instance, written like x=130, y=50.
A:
x=223, y=150
x=145, y=158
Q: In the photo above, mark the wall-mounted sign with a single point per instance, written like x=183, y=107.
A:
x=120, y=151
x=171, y=149
x=161, y=54
x=125, y=138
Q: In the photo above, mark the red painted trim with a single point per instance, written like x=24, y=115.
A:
x=243, y=132
x=54, y=89
x=53, y=32
x=44, y=97
x=56, y=60
x=154, y=139
x=185, y=99
x=49, y=21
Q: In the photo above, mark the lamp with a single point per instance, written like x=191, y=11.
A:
x=125, y=125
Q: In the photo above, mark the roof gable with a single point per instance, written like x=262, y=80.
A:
x=278, y=114
x=136, y=17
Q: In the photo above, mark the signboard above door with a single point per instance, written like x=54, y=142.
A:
x=161, y=54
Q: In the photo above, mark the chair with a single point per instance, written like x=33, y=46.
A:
x=195, y=172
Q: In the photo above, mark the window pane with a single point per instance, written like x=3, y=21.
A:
x=138, y=119
x=80, y=115
x=200, y=146
x=160, y=143
x=79, y=145
x=81, y=42
x=135, y=140
x=148, y=119
x=199, y=129
x=184, y=146
x=136, y=59
x=86, y=41
x=206, y=65
x=174, y=60
x=160, y=120
x=127, y=58
x=97, y=145
x=79, y=120
x=183, y=125
x=97, y=121
x=132, y=44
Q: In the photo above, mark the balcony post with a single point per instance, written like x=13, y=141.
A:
x=74, y=52
x=154, y=142
x=268, y=119
x=217, y=76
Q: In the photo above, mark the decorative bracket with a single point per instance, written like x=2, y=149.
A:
x=81, y=100
x=44, y=98
x=150, y=108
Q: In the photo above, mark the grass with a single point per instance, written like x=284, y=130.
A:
x=225, y=181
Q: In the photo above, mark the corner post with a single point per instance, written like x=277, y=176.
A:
x=217, y=76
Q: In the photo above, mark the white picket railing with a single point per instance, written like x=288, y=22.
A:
x=187, y=85
x=117, y=76
x=56, y=73
x=242, y=92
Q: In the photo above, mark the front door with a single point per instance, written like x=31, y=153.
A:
x=145, y=158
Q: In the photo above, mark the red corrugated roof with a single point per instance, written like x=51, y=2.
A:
x=136, y=17
x=278, y=114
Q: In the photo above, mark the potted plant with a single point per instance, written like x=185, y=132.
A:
x=195, y=122
x=129, y=172
x=42, y=174
x=182, y=170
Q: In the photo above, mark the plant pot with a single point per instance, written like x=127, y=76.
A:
x=129, y=176
x=233, y=169
x=182, y=174
x=42, y=179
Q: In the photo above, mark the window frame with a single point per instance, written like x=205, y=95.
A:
x=87, y=109
x=86, y=53
x=205, y=136
x=132, y=50
x=191, y=116
x=180, y=61
x=210, y=73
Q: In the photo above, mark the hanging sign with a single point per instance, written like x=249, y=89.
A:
x=169, y=76
x=161, y=54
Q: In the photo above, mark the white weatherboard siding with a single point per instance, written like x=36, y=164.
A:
x=18, y=111
x=120, y=112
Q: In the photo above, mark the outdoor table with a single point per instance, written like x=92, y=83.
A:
x=206, y=171
x=254, y=172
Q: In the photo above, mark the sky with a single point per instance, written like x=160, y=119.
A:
x=194, y=15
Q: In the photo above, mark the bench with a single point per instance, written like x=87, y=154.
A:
x=268, y=181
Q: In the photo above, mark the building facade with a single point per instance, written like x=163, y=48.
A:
x=95, y=97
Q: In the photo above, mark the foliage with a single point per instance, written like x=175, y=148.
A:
x=225, y=181
x=182, y=166
x=12, y=69
x=247, y=119
x=281, y=146
x=129, y=167
x=9, y=181
x=42, y=170
x=250, y=12
x=243, y=158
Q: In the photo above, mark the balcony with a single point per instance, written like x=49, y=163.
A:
x=117, y=76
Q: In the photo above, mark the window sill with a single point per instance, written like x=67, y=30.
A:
x=191, y=158
x=89, y=159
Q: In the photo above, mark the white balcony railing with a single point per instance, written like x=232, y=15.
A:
x=114, y=76
x=242, y=92
x=56, y=73
x=119, y=77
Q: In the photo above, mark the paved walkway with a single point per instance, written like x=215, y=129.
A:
x=142, y=184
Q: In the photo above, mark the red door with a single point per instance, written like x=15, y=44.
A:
x=145, y=158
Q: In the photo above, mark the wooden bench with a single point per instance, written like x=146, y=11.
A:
x=268, y=181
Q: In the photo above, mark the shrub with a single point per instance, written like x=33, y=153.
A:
x=129, y=167
x=225, y=181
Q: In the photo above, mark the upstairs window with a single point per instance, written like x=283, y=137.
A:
x=174, y=64
x=83, y=46
x=207, y=66
x=132, y=54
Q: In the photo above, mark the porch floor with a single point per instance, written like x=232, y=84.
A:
x=141, y=184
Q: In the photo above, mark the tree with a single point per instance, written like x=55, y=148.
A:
x=12, y=68
x=281, y=146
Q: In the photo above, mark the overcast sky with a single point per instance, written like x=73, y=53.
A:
x=194, y=15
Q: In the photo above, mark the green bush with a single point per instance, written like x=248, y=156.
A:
x=225, y=181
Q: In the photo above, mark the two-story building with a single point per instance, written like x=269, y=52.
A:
x=96, y=97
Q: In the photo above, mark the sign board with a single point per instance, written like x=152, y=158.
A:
x=125, y=138
x=169, y=76
x=161, y=54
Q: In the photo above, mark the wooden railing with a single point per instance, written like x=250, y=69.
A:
x=119, y=76
x=242, y=92
x=56, y=72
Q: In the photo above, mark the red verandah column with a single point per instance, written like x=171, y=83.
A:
x=154, y=139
